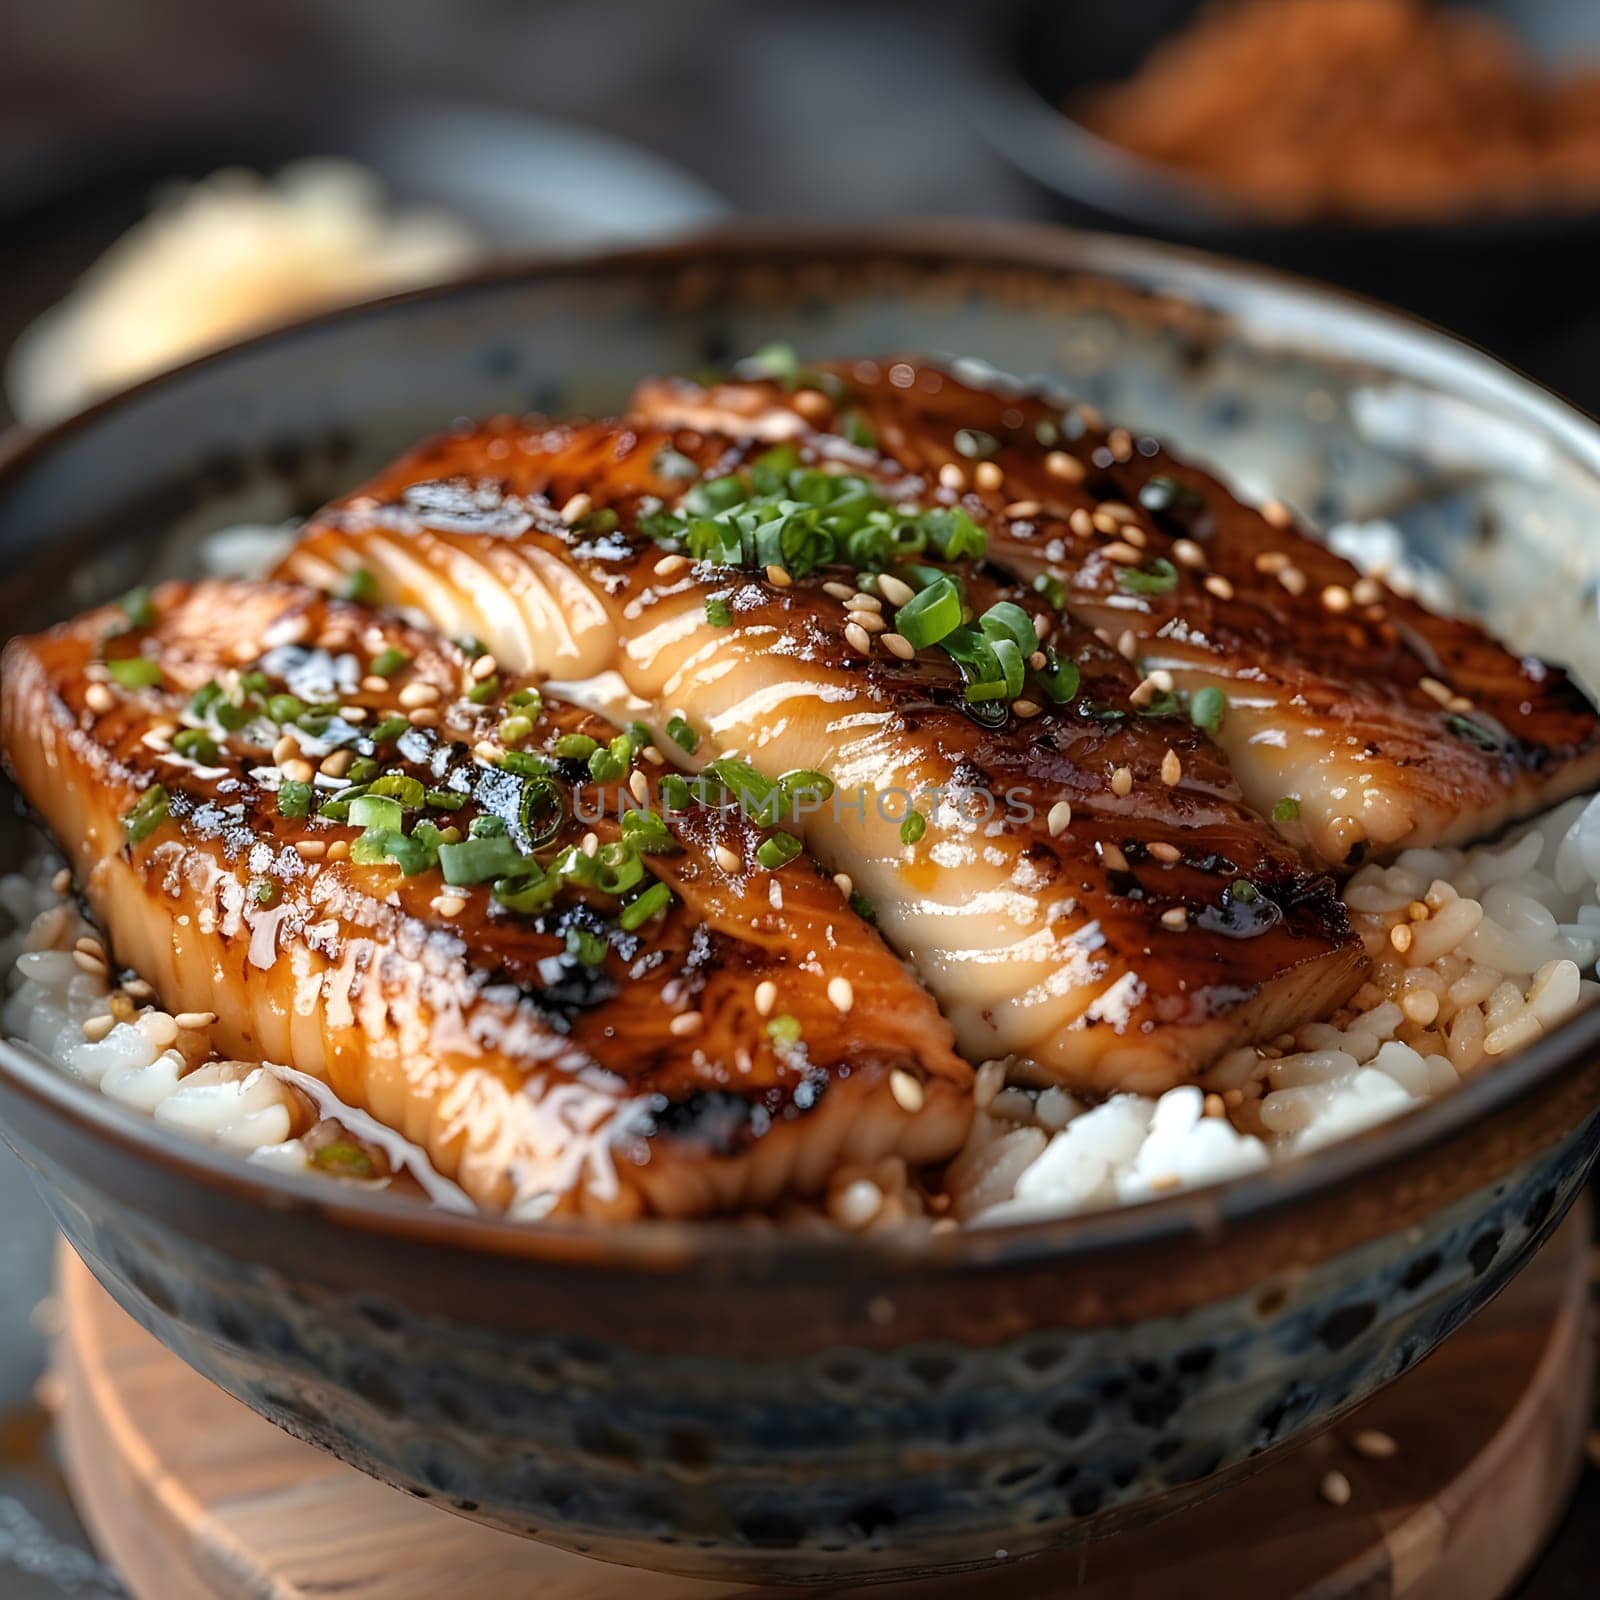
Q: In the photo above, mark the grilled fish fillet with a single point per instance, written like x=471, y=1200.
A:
x=741, y=1045
x=1093, y=898
x=1361, y=719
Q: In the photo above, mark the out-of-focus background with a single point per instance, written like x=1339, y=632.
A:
x=176, y=172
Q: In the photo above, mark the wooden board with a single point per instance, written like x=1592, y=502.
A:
x=192, y=1497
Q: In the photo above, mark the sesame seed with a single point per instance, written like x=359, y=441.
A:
x=418, y=694
x=862, y=601
x=1171, y=768
x=1335, y=1489
x=1019, y=509
x=483, y=667
x=449, y=905
x=356, y=714
x=895, y=590
x=1293, y=579
x=1336, y=598
x=638, y=786
x=192, y=1021
x=1435, y=690
x=778, y=576
x=286, y=749
x=1025, y=708
x=1366, y=592
x=1188, y=554
x=812, y=404
x=1163, y=851
x=906, y=1090
x=1122, y=782
x=90, y=946
x=856, y=1204
x=297, y=771
x=1277, y=513
x=423, y=717
x=844, y=883
x=843, y=591
x=1271, y=561
x=98, y=697
x=858, y=638
x=339, y=850
x=1059, y=818
x=727, y=859
x=576, y=509
x=840, y=995
x=1400, y=937
x=766, y=997
x=685, y=1023
x=1142, y=692
x=1216, y=584
x=1120, y=551
x=338, y=763
x=590, y=843
x=1128, y=645
x=1177, y=918
x=952, y=477
x=62, y=881
x=1080, y=522
x=1113, y=857
x=870, y=620
x=898, y=645
x=1375, y=1445
x=987, y=475
x=1214, y=1106
x=1060, y=465
x=486, y=752
x=311, y=849
x=96, y=1028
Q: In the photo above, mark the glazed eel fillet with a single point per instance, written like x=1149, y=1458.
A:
x=1064, y=861
x=1359, y=719
x=280, y=809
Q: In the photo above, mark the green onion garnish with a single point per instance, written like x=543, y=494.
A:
x=149, y=811
x=606, y=766
x=931, y=614
x=1156, y=576
x=294, y=798
x=444, y=799
x=1207, y=708
x=1163, y=492
x=682, y=734
x=136, y=672
x=138, y=607
x=389, y=729
x=784, y=1030
x=344, y=1158
x=388, y=662
x=285, y=707
x=526, y=890
x=586, y=946
x=1473, y=733
x=1053, y=590
x=361, y=587
x=478, y=859
x=651, y=903
x=515, y=728
x=575, y=746
x=778, y=850
x=1059, y=676
x=1007, y=620
x=196, y=744
x=377, y=811
x=913, y=828
x=718, y=612
x=410, y=792
x=1286, y=810
x=484, y=690
x=206, y=696
x=528, y=701
x=862, y=906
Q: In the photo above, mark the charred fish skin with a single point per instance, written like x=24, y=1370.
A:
x=258, y=788
x=1098, y=934
x=1363, y=721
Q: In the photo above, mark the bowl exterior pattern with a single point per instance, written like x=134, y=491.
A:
x=853, y=1461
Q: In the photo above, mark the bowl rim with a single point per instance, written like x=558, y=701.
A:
x=1227, y=289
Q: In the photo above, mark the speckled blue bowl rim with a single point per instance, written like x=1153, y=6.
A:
x=1302, y=315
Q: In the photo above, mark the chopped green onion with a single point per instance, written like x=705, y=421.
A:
x=605, y=766
x=487, y=826
x=778, y=850
x=196, y=744
x=718, y=612
x=1473, y=733
x=1286, y=810
x=344, y=1158
x=1052, y=589
x=575, y=746
x=862, y=906
x=931, y=614
x=206, y=696
x=1059, y=676
x=525, y=890
x=397, y=786
x=264, y=892
x=389, y=729
x=541, y=809
x=285, y=707
x=362, y=770
x=336, y=808
x=528, y=701
x=524, y=763
x=1163, y=492
x=138, y=607
x=1207, y=708
x=372, y=848
x=651, y=903
x=913, y=828
x=855, y=427
x=149, y=811
x=484, y=690
x=1156, y=576
x=682, y=734
x=784, y=1030
x=953, y=534
x=376, y=811
x=256, y=682
x=388, y=662
x=647, y=833
x=617, y=867
x=675, y=793
x=361, y=587
x=444, y=799
x=478, y=859
x=1007, y=620
x=294, y=798
x=515, y=728
x=136, y=672
x=587, y=946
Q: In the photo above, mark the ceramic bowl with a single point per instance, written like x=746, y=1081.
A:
x=730, y=1400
